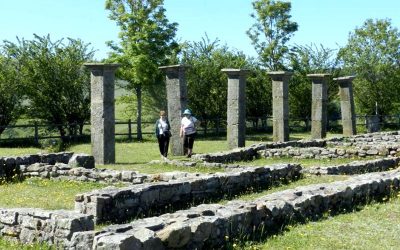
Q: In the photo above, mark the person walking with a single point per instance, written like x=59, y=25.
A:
x=188, y=132
x=163, y=134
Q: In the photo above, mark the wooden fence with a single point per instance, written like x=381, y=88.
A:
x=209, y=127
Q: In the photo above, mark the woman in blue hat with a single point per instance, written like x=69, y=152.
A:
x=188, y=131
x=163, y=134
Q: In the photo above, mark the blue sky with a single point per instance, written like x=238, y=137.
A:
x=326, y=22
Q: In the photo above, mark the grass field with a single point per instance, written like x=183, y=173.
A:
x=375, y=226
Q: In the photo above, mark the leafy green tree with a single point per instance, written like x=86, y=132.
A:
x=258, y=92
x=310, y=59
x=372, y=53
x=10, y=92
x=55, y=83
x=146, y=42
x=271, y=32
x=207, y=85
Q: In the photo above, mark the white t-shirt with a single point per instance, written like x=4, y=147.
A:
x=162, y=126
x=187, y=125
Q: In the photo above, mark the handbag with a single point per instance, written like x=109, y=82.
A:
x=167, y=133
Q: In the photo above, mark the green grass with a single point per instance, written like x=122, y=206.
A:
x=5, y=244
x=20, y=151
x=375, y=226
x=45, y=194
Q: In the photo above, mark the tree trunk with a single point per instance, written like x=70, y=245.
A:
x=139, y=113
x=62, y=133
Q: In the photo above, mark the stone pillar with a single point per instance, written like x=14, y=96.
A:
x=177, y=102
x=347, y=104
x=102, y=116
x=319, y=107
x=280, y=104
x=236, y=103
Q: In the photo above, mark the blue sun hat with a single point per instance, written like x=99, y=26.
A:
x=187, y=112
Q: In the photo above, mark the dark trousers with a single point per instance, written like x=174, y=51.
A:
x=188, y=141
x=163, y=144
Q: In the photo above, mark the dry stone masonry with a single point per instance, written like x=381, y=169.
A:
x=205, y=226
x=21, y=165
x=252, y=152
x=61, y=171
x=208, y=226
x=28, y=225
x=356, y=167
x=120, y=204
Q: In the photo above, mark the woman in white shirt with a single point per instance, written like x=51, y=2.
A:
x=163, y=134
x=188, y=131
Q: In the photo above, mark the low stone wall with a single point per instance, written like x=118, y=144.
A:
x=11, y=166
x=366, y=139
x=120, y=204
x=29, y=225
x=208, y=226
x=61, y=171
x=328, y=153
x=356, y=167
x=249, y=153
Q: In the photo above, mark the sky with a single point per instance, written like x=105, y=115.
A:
x=326, y=22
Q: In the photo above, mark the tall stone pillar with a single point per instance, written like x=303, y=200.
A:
x=319, y=107
x=347, y=104
x=280, y=104
x=177, y=102
x=236, y=103
x=102, y=116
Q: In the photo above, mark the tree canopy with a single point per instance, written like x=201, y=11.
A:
x=310, y=59
x=271, y=32
x=11, y=92
x=55, y=83
x=146, y=42
x=372, y=53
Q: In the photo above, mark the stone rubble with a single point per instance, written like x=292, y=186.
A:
x=204, y=226
x=28, y=225
x=177, y=189
x=209, y=226
x=356, y=167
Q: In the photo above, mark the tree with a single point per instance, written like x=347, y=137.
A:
x=310, y=59
x=10, y=92
x=207, y=85
x=55, y=83
x=271, y=32
x=146, y=41
x=372, y=53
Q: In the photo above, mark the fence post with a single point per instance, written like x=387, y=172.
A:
x=130, y=130
x=36, y=133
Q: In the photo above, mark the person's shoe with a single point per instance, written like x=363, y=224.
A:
x=189, y=155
